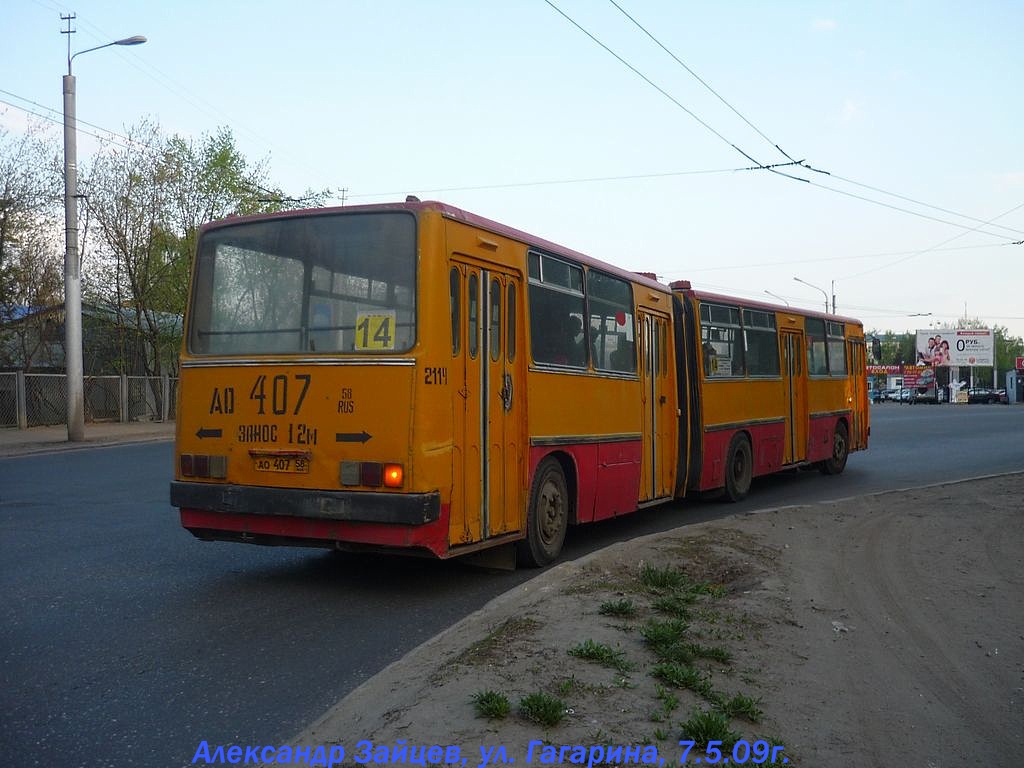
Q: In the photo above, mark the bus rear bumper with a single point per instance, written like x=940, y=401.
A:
x=348, y=506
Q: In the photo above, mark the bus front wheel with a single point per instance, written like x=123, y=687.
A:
x=547, y=517
x=840, y=452
x=739, y=468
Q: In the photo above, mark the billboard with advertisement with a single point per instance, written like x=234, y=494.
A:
x=956, y=346
x=920, y=378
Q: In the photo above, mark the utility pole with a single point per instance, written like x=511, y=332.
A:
x=73, y=367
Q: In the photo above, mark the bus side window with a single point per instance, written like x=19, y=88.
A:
x=474, y=314
x=455, y=297
x=510, y=346
x=623, y=359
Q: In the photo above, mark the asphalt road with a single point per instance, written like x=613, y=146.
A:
x=125, y=642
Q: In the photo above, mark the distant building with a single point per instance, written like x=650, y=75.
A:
x=32, y=340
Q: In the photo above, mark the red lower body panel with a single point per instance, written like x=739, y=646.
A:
x=432, y=537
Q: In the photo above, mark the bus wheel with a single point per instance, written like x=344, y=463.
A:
x=840, y=452
x=548, y=516
x=739, y=468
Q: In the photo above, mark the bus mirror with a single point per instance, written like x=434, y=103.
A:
x=876, y=350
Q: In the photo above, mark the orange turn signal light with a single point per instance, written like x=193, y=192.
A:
x=393, y=475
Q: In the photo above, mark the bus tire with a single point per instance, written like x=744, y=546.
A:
x=739, y=468
x=840, y=451
x=548, y=516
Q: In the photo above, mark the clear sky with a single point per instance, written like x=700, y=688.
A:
x=509, y=110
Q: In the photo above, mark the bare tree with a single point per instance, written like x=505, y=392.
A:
x=30, y=247
x=147, y=200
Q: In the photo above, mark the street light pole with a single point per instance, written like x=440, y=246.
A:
x=818, y=289
x=776, y=296
x=73, y=367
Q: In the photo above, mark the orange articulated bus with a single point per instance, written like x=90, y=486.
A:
x=414, y=378
x=769, y=388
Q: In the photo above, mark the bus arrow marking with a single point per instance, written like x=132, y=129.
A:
x=204, y=433
x=352, y=437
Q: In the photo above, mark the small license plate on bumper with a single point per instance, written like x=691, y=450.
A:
x=297, y=465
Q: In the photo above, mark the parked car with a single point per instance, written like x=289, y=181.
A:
x=986, y=395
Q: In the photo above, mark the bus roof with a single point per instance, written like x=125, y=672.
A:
x=766, y=306
x=456, y=214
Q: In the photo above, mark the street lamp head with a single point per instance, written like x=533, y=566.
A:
x=136, y=40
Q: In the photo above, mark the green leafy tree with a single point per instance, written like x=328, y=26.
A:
x=896, y=348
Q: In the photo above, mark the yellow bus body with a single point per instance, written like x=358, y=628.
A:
x=415, y=378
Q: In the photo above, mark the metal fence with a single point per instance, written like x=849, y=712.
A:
x=40, y=399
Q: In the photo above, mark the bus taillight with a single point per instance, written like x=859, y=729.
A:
x=372, y=474
x=393, y=475
x=200, y=465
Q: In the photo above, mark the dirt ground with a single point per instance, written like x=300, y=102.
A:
x=878, y=631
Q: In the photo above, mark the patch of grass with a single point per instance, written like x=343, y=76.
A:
x=659, y=633
x=667, y=578
x=713, y=652
x=542, y=708
x=665, y=639
x=491, y=704
x=740, y=705
x=669, y=701
x=675, y=604
x=706, y=725
x=623, y=608
x=570, y=684
x=602, y=654
x=684, y=676
x=711, y=590
x=708, y=615
x=660, y=735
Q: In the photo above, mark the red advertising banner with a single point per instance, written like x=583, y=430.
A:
x=918, y=377
x=1020, y=363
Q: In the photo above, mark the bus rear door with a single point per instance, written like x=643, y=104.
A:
x=489, y=415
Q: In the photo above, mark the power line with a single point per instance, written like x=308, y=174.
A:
x=798, y=163
x=58, y=118
x=126, y=143
x=853, y=182
x=919, y=215
x=666, y=94
x=701, y=81
x=825, y=259
x=916, y=202
x=935, y=247
x=595, y=179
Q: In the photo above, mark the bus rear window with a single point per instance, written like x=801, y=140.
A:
x=306, y=284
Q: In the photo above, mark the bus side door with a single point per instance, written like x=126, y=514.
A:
x=795, y=384
x=857, y=355
x=659, y=407
x=490, y=410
